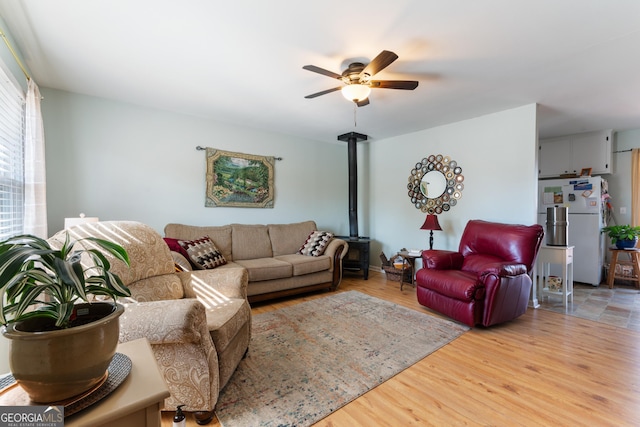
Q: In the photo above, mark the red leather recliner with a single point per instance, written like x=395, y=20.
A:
x=487, y=281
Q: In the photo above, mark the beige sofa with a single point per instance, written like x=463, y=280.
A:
x=269, y=255
x=197, y=323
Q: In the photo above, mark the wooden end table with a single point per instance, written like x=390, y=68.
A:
x=633, y=254
x=411, y=259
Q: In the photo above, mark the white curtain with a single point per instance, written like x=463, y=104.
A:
x=35, y=187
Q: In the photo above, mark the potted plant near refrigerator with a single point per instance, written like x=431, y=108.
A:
x=623, y=236
x=59, y=310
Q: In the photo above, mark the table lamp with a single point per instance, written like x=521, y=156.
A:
x=431, y=223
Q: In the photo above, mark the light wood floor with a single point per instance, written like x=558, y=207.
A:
x=543, y=369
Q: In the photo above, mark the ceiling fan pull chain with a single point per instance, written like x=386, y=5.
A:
x=355, y=122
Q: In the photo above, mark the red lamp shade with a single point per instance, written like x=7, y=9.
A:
x=431, y=223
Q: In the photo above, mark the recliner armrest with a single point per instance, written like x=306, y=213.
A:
x=215, y=283
x=442, y=260
x=503, y=269
x=164, y=322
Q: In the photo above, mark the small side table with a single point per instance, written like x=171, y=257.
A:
x=633, y=254
x=411, y=259
x=137, y=401
x=562, y=255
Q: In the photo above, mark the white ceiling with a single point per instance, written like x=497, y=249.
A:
x=241, y=61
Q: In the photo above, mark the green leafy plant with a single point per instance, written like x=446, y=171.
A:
x=621, y=232
x=39, y=281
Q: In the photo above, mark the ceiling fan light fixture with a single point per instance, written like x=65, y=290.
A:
x=356, y=92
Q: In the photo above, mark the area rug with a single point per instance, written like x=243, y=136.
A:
x=308, y=360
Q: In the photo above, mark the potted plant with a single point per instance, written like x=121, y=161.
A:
x=623, y=236
x=61, y=342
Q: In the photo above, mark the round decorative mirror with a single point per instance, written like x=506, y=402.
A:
x=435, y=184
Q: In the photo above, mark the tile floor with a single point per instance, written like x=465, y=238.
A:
x=619, y=306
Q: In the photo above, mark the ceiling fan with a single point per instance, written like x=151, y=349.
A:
x=357, y=79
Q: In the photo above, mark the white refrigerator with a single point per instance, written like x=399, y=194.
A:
x=583, y=198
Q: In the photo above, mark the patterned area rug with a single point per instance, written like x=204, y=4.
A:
x=308, y=360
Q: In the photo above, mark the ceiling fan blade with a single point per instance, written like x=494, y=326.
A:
x=363, y=102
x=394, y=84
x=322, y=71
x=379, y=63
x=324, y=92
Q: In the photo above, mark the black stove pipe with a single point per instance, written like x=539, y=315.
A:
x=352, y=139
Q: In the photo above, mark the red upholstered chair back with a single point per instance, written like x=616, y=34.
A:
x=504, y=242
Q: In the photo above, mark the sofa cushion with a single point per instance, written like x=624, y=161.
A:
x=203, y=253
x=250, y=241
x=266, y=268
x=306, y=264
x=220, y=236
x=316, y=243
x=286, y=239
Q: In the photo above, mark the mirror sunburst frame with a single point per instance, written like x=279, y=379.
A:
x=435, y=184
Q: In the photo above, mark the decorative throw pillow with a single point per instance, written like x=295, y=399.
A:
x=316, y=243
x=203, y=253
x=175, y=246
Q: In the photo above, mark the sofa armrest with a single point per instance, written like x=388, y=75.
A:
x=442, y=260
x=217, y=282
x=165, y=322
x=336, y=250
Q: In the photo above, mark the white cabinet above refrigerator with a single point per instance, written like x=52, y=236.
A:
x=572, y=153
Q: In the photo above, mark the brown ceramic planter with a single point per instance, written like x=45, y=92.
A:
x=56, y=365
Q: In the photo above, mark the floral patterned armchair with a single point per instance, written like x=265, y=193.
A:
x=198, y=322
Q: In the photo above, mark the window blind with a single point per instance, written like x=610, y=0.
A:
x=11, y=157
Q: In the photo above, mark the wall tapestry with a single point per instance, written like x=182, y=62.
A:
x=239, y=180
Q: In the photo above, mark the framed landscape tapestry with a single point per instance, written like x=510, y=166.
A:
x=239, y=180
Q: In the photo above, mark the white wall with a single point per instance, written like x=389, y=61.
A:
x=119, y=161
x=498, y=156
